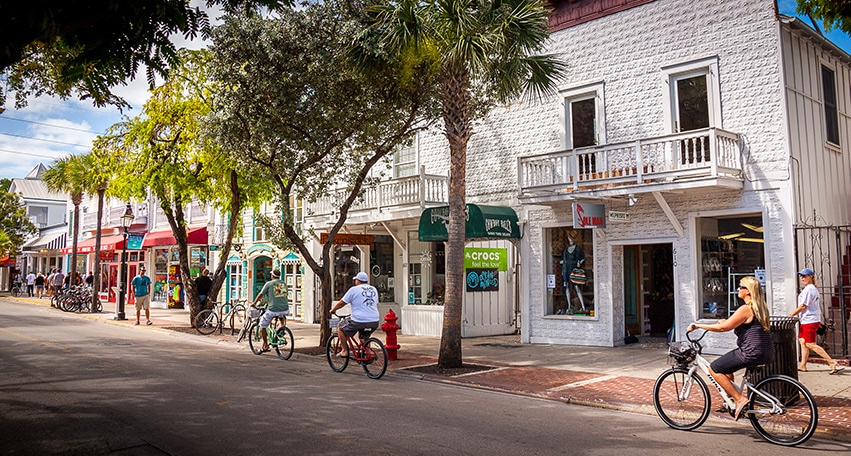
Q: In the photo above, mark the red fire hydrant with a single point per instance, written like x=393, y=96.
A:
x=390, y=327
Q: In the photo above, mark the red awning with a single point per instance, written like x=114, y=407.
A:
x=114, y=242
x=6, y=261
x=195, y=236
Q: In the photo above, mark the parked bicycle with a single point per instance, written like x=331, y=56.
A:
x=781, y=410
x=76, y=299
x=280, y=337
x=209, y=320
x=367, y=351
x=16, y=290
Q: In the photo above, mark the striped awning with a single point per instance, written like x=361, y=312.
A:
x=52, y=241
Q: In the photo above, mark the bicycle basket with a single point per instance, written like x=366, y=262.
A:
x=255, y=312
x=682, y=353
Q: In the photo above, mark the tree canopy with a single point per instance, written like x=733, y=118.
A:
x=60, y=47
x=15, y=225
x=835, y=14
x=300, y=111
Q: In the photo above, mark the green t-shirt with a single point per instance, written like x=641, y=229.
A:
x=275, y=293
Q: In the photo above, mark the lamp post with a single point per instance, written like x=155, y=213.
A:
x=126, y=220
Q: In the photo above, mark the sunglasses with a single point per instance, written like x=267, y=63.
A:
x=743, y=288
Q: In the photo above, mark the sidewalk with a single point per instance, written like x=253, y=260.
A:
x=618, y=378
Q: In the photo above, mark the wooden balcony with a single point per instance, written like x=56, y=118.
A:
x=391, y=199
x=695, y=159
x=112, y=216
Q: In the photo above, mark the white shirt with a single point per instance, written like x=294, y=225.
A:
x=810, y=297
x=31, y=279
x=364, y=301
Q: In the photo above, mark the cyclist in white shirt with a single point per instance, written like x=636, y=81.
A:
x=363, y=298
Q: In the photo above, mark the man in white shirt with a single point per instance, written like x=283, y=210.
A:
x=30, y=284
x=364, y=300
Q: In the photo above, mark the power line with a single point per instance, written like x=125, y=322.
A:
x=27, y=154
x=46, y=140
x=49, y=125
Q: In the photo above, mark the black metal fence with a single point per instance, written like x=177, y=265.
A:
x=827, y=250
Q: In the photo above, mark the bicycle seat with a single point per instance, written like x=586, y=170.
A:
x=365, y=333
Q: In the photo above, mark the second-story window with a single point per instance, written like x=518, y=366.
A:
x=693, y=95
x=584, y=120
x=831, y=115
x=405, y=159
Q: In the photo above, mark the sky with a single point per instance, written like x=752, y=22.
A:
x=50, y=128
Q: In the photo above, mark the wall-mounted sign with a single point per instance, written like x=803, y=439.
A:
x=551, y=281
x=347, y=238
x=482, y=280
x=617, y=216
x=589, y=215
x=485, y=258
x=134, y=241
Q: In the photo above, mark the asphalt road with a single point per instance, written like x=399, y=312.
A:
x=71, y=385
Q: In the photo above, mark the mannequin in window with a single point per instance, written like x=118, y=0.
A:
x=572, y=257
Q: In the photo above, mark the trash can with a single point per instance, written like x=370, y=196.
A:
x=784, y=336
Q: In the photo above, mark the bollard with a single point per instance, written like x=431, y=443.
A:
x=390, y=327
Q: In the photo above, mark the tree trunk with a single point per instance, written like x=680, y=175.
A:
x=456, y=117
x=76, y=199
x=235, y=210
x=96, y=272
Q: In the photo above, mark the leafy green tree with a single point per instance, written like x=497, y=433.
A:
x=70, y=175
x=90, y=46
x=166, y=155
x=15, y=225
x=488, y=52
x=301, y=113
x=835, y=14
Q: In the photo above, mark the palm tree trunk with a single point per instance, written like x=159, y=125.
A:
x=96, y=271
x=76, y=199
x=456, y=119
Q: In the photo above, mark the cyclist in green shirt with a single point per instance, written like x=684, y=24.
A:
x=274, y=292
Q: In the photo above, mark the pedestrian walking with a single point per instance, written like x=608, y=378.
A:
x=30, y=284
x=39, y=286
x=203, y=283
x=809, y=307
x=48, y=282
x=90, y=279
x=140, y=287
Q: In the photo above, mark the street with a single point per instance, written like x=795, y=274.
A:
x=73, y=385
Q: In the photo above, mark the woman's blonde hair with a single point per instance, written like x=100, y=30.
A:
x=758, y=305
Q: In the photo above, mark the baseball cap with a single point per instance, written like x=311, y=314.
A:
x=362, y=277
x=807, y=271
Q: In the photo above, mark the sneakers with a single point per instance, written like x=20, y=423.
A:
x=137, y=322
x=149, y=323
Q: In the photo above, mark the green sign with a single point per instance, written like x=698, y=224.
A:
x=485, y=258
x=481, y=222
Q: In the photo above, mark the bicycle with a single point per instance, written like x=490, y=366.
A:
x=280, y=337
x=209, y=320
x=367, y=351
x=16, y=290
x=780, y=409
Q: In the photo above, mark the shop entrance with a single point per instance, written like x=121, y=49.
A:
x=648, y=289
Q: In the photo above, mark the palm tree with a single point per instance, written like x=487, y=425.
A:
x=486, y=53
x=99, y=164
x=70, y=175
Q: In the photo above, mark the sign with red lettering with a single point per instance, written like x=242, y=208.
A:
x=589, y=215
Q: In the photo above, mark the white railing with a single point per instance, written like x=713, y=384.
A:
x=112, y=215
x=708, y=152
x=419, y=190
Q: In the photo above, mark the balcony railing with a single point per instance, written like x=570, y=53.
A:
x=706, y=153
x=414, y=191
x=112, y=215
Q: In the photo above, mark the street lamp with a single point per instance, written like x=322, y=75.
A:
x=126, y=220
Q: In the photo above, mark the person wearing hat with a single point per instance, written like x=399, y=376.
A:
x=809, y=307
x=363, y=298
x=140, y=287
x=275, y=294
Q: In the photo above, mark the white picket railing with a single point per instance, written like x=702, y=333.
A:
x=419, y=190
x=710, y=152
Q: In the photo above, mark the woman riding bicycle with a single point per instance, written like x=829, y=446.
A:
x=750, y=323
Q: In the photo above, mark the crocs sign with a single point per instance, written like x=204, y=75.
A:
x=589, y=215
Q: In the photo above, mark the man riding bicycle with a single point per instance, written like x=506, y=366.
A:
x=364, y=300
x=275, y=293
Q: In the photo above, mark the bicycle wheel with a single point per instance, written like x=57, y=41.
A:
x=332, y=347
x=376, y=365
x=16, y=292
x=255, y=339
x=284, y=345
x=237, y=318
x=206, y=321
x=797, y=418
x=683, y=412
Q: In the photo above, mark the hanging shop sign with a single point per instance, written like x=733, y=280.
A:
x=482, y=280
x=485, y=258
x=348, y=239
x=589, y=215
x=134, y=241
x=617, y=216
x=482, y=222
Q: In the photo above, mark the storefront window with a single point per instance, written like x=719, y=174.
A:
x=381, y=269
x=346, y=267
x=731, y=248
x=570, y=272
x=160, y=277
x=426, y=271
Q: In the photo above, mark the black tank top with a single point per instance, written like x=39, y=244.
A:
x=755, y=344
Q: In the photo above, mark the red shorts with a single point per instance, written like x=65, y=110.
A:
x=808, y=332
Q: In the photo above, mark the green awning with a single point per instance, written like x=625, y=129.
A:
x=483, y=222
